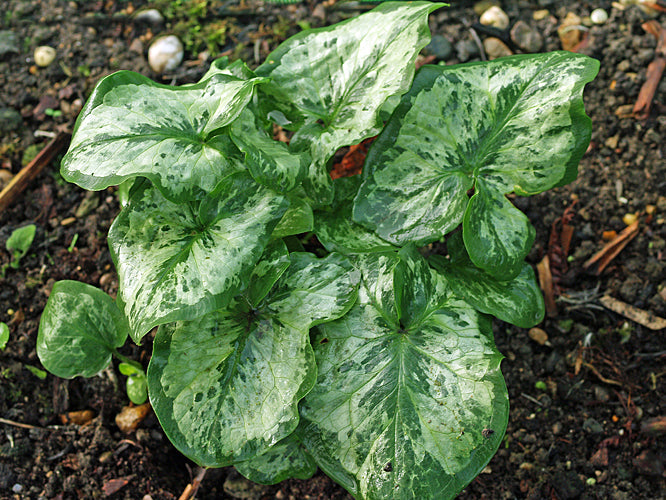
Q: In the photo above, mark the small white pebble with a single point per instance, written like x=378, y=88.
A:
x=496, y=17
x=44, y=55
x=165, y=54
x=17, y=488
x=150, y=16
x=599, y=16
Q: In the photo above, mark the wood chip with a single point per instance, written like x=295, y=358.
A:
x=654, y=71
x=655, y=426
x=644, y=318
x=546, y=285
x=114, y=485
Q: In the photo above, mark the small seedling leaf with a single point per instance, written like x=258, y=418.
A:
x=80, y=328
x=4, y=335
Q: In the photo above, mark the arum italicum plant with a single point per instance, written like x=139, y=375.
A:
x=373, y=363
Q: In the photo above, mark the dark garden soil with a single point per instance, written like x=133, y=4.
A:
x=588, y=404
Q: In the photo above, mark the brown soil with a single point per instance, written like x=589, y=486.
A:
x=586, y=435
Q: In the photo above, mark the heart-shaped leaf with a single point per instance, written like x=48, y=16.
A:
x=174, y=263
x=79, y=330
x=517, y=124
x=412, y=412
x=132, y=126
x=225, y=386
x=332, y=82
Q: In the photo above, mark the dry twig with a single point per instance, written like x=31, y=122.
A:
x=654, y=71
x=604, y=256
x=21, y=180
x=191, y=489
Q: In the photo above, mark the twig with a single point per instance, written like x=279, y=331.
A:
x=191, y=489
x=599, y=375
x=19, y=424
x=479, y=44
x=604, y=256
x=635, y=314
x=654, y=71
x=530, y=398
x=21, y=180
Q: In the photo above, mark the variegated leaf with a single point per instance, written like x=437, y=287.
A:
x=497, y=235
x=225, y=387
x=298, y=218
x=132, y=126
x=177, y=263
x=287, y=459
x=273, y=263
x=336, y=230
x=400, y=412
x=518, y=301
x=314, y=291
x=270, y=162
x=518, y=124
x=331, y=83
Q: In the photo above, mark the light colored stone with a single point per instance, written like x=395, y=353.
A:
x=538, y=335
x=149, y=16
x=538, y=15
x=165, y=54
x=44, y=55
x=495, y=48
x=496, y=17
x=599, y=16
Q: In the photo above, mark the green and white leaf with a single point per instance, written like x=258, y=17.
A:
x=331, y=83
x=80, y=328
x=497, y=235
x=517, y=123
x=221, y=66
x=313, y=290
x=335, y=228
x=400, y=412
x=225, y=388
x=273, y=263
x=132, y=126
x=518, y=301
x=270, y=162
x=287, y=459
x=177, y=263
